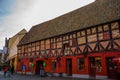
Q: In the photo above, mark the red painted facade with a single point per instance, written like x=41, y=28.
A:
x=62, y=68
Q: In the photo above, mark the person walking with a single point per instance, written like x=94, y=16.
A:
x=42, y=72
x=5, y=70
x=9, y=72
x=12, y=69
x=23, y=69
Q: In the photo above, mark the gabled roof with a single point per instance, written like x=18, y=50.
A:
x=12, y=39
x=98, y=12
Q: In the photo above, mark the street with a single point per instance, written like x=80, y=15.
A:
x=35, y=77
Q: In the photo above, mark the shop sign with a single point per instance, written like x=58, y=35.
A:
x=117, y=59
x=43, y=52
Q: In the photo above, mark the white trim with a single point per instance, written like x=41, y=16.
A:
x=80, y=75
x=30, y=73
x=101, y=77
x=19, y=72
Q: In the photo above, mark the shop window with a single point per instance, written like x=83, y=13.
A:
x=81, y=64
x=111, y=64
x=53, y=65
x=98, y=64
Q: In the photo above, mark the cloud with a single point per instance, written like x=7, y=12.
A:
x=27, y=13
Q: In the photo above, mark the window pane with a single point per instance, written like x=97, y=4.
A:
x=81, y=64
x=98, y=64
x=106, y=35
x=53, y=65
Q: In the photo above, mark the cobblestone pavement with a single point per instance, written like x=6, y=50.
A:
x=35, y=77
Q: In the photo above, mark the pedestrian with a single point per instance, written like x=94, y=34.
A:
x=42, y=71
x=8, y=71
x=23, y=69
x=12, y=69
x=5, y=70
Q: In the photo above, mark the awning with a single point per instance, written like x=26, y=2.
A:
x=116, y=59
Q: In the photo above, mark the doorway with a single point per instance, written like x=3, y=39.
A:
x=69, y=67
x=38, y=63
x=95, y=66
x=111, y=68
x=92, y=68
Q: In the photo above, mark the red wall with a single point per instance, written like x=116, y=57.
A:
x=62, y=68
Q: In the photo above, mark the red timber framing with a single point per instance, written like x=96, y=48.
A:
x=75, y=53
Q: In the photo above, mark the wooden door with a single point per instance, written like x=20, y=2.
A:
x=92, y=68
x=111, y=68
x=69, y=67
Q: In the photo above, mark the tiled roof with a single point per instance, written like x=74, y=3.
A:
x=98, y=12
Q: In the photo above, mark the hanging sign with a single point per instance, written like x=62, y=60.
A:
x=44, y=64
x=58, y=59
x=43, y=52
x=31, y=65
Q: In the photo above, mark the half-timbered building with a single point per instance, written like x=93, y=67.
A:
x=81, y=43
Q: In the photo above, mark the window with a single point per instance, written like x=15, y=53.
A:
x=98, y=64
x=53, y=65
x=47, y=44
x=59, y=44
x=80, y=64
x=74, y=43
x=106, y=35
x=52, y=45
x=66, y=48
x=95, y=62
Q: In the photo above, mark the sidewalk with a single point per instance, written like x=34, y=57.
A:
x=36, y=77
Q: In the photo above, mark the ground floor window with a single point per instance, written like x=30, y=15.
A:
x=53, y=65
x=80, y=64
x=98, y=64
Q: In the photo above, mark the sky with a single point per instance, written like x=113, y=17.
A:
x=16, y=15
